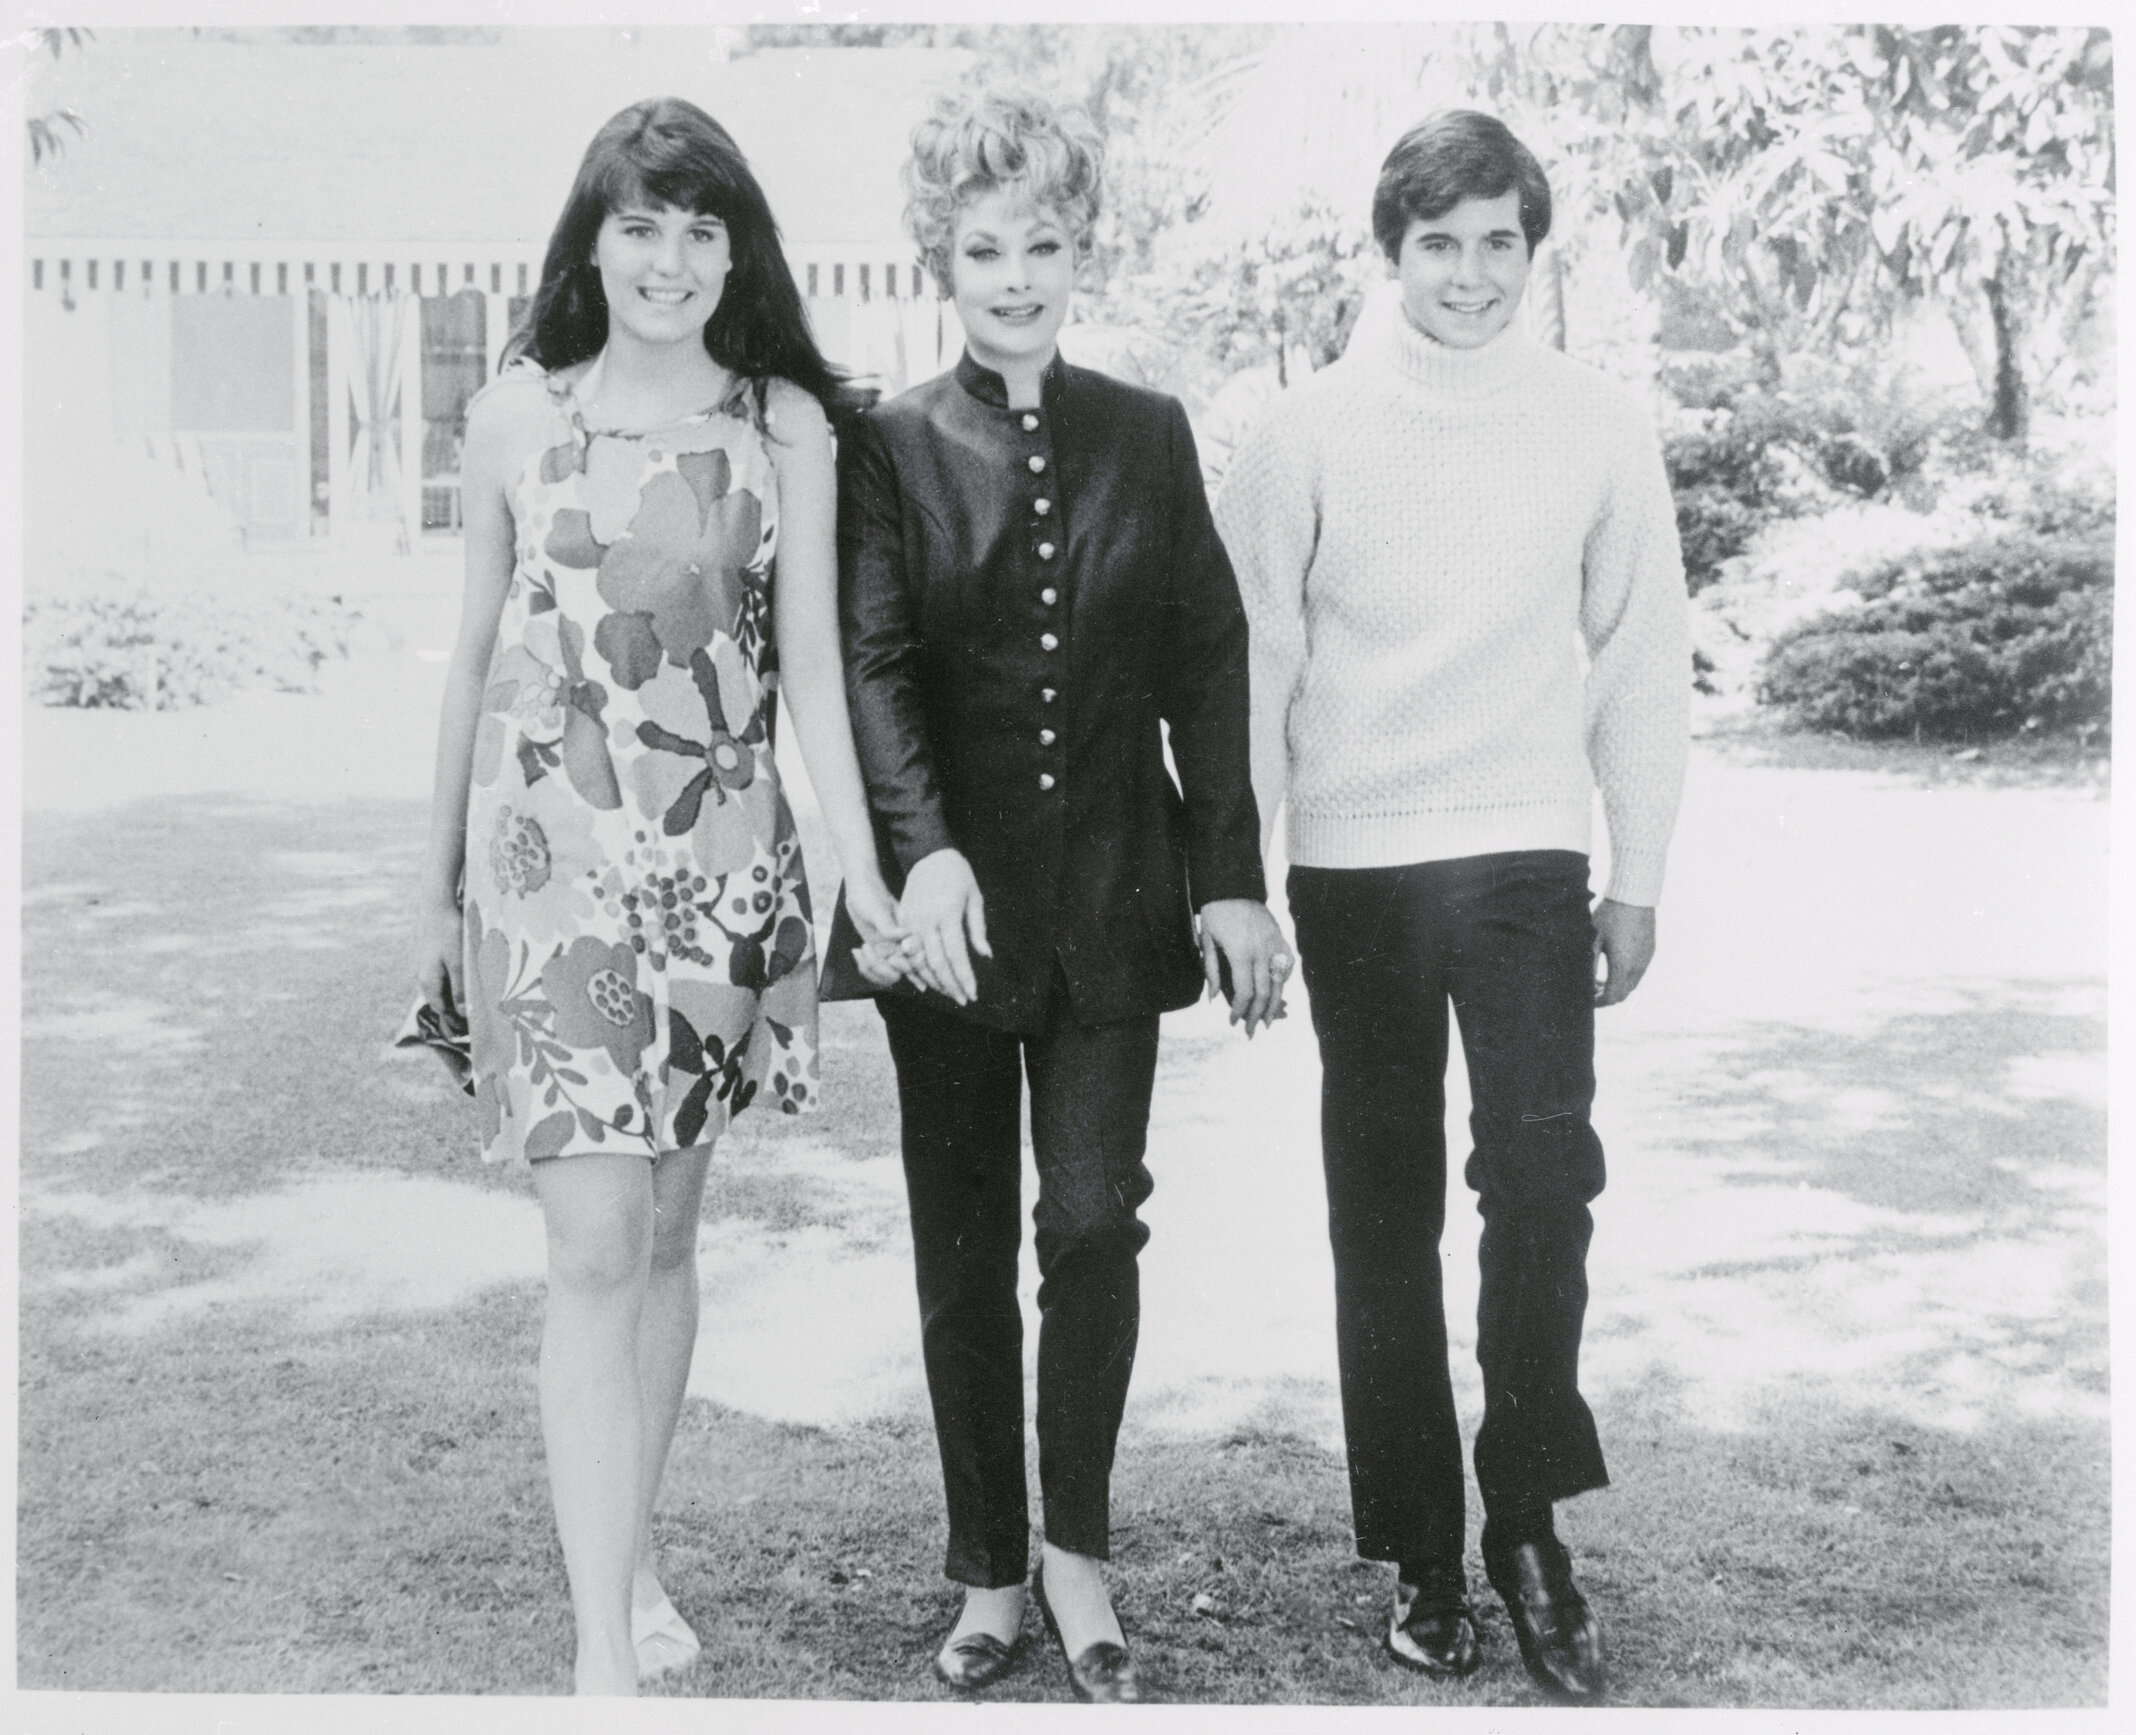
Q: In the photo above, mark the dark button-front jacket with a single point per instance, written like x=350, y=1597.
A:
x=1024, y=595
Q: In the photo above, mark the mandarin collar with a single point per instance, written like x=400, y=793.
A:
x=991, y=389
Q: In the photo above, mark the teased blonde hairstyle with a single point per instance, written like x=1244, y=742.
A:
x=1004, y=141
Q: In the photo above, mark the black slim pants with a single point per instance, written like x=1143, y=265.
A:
x=1508, y=940
x=960, y=1094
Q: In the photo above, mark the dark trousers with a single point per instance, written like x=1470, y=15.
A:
x=960, y=1093
x=1508, y=940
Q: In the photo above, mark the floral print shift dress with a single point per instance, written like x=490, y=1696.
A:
x=640, y=953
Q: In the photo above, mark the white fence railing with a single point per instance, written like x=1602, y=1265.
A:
x=862, y=272
x=102, y=347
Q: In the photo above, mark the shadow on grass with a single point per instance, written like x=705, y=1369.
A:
x=1982, y=1110
x=246, y=1502
x=209, y=985
x=1907, y=1216
x=371, y=1517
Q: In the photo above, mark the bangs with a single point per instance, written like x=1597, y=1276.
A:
x=1025, y=197
x=692, y=187
x=1434, y=198
x=1037, y=169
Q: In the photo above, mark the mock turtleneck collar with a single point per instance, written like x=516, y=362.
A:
x=989, y=388
x=1462, y=373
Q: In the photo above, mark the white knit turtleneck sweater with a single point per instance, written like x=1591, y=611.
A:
x=1423, y=536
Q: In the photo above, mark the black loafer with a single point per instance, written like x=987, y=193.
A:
x=1560, y=1639
x=976, y=1661
x=1104, y=1674
x=1433, y=1635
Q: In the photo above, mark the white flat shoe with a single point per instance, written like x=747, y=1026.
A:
x=662, y=1639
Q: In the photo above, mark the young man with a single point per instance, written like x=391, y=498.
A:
x=1421, y=533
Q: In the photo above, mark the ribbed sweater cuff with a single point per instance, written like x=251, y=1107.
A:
x=1635, y=877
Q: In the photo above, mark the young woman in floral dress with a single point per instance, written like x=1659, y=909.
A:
x=613, y=895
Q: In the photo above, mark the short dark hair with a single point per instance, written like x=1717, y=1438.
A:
x=1453, y=155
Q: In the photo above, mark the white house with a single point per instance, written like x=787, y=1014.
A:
x=288, y=265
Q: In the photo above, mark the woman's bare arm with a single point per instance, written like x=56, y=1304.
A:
x=501, y=431
x=811, y=668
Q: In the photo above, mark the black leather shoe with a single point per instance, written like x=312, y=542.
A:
x=1104, y=1674
x=1560, y=1639
x=1434, y=1634
x=977, y=1660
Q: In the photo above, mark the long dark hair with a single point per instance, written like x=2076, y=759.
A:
x=669, y=152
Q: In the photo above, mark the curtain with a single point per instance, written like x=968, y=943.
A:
x=378, y=419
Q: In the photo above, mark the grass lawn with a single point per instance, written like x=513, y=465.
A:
x=368, y=1514
x=242, y=1499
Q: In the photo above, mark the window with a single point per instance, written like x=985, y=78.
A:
x=233, y=365
x=455, y=359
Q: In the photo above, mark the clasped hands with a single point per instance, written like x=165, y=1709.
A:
x=931, y=933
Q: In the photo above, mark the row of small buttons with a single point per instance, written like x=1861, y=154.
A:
x=1049, y=596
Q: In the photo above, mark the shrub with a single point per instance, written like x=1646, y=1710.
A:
x=1797, y=569
x=1725, y=490
x=2050, y=498
x=2008, y=634
x=1751, y=448
x=1729, y=470
x=140, y=652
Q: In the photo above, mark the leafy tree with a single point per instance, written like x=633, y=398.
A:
x=1809, y=180
x=1996, y=175
x=1725, y=159
x=850, y=36
x=1796, y=187
x=46, y=140
x=1154, y=91
x=1244, y=299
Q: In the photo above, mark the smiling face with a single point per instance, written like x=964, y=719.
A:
x=662, y=270
x=1462, y=274
x=1011, y=272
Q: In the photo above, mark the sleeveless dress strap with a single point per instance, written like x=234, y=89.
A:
x=519, y=368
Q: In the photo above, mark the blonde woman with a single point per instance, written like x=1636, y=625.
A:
x=1031, y=589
